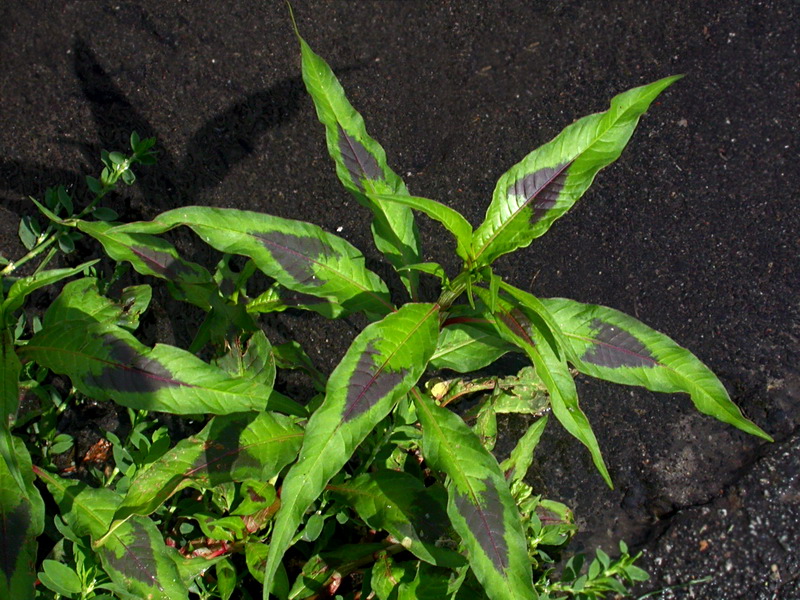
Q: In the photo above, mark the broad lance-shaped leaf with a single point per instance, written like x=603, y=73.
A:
x=480, y=505
x=229, y=448
x=299, y=255
x=380, y=367
x=80, y=299
x=547, y=182
x=401, y=504
x=21, y=288
x=107, y=362
x=519, y=325
x=451, y=219
x=21, y=522
x=468, y=342
x=361, y=165
x=613, y=346
x=135, y=556
x=154, y=256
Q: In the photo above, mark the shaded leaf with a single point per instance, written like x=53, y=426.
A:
x=135, y=555
x=613, y=346
x=21, y=522
x=229, y=448
x=468, y=343
x=517, y=464
x=361, y=165
x=80, y=299
x=480, y=505
x=24, y=286
x=401, y=504
x=106, y=362
x=546, y=183
x=154, y=256
x=300, y=256
x=380, y=366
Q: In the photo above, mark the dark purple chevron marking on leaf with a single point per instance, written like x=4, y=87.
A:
x=163, y=263
x=518, y=323
x=132, y=373
x=296, y=254
x=368, y=385
x=486, y=523
x=614, y=347
x=541, y=187
x=358, y=161
x=224, y=453
x=292, y=298
x=14, y=525
x=137, y=560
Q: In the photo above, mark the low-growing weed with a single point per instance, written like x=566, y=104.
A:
x=374, y=487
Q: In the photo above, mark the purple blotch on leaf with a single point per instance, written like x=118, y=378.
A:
x=613, y=347
x=15, y=526
x=486, y=523
x=296, y=254
x=131, y=372
x=164, y=263
x=541, y=187
x=368, y=384
x=358, y=161
x=518, y=323
x=224, y=452
x=137, y=560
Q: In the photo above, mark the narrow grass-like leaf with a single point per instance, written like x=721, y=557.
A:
x=611, y=345
x=518, y=324
x=480, y=505
x=361, y=165
x=380, y=367
x=546, y=183
x=106, y=362
x=21, y=288
x=451, y=219
x=401, y=504
x=21, y=522
x=154, y=256
x=10, y=368
x=229, y=448
x=300, y=256
x=135, y=555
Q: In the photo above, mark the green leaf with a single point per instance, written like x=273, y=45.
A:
x=517, y=323
x=401, y=504
x=24, y=286
x=230, y=448
x=60, y=578
x=480, y=505
x=379, y=368
x=107, y=362
x=103, y=213
x=468, y=342
x=29, y=231
x=451, y=219
x=546, y=183
x=516, y=466
x=150, y=255
x=80, y=299
x=21, y=522
x=135, y=555
x=300, y=256
x=361, y=165
x=255, y=361
x=616, y=347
